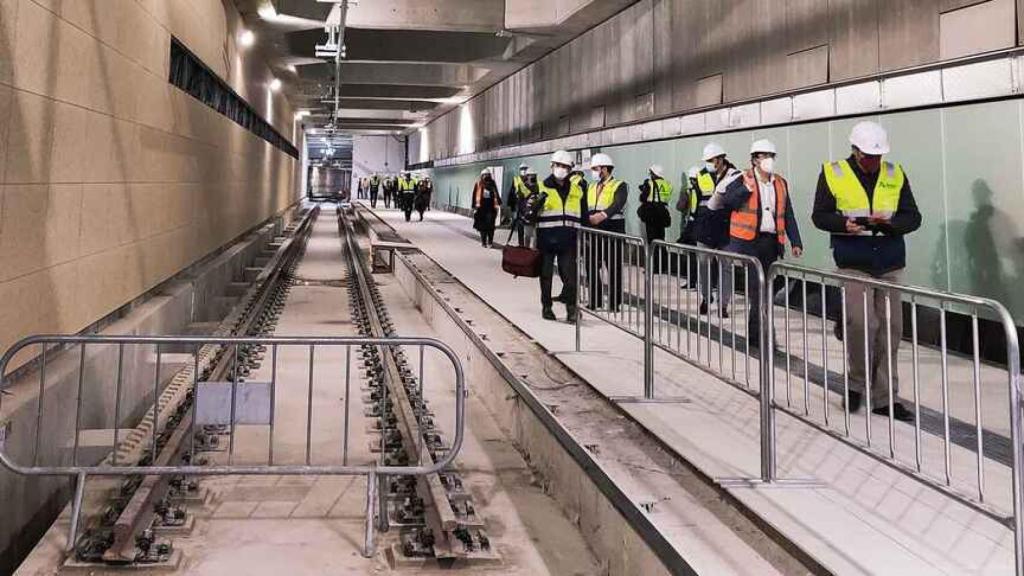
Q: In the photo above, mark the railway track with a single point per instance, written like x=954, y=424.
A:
x=434, y=516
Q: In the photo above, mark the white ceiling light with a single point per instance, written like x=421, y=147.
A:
x=267, y=11
x=275, y=84
x=247, y=38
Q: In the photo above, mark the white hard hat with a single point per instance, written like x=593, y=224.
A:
x=712, y=150
x=762, y=146
x=870, y=138
x=485, y=171
x=562, y=157
x=600, y=159
x=693, y=172
x=530, y=171
x=658, y=170
x=523, y=166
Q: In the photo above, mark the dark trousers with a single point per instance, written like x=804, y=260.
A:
x=607, y=253
x=373, y=197
x=765, y=247
x=564, y=257
x=405, y=200
x=660, y=257
x=486, y=236
x=387, y=197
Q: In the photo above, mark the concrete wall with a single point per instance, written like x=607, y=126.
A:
x=380, y=154
x=663, y=57
x=111, y=179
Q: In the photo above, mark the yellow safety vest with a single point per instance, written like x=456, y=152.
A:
x=597, y=202
x=406, y=185
x=555, y=213
x=851, y=198
x=519, y=185
x=693, y=192
x=661, y=191
x=705, y=184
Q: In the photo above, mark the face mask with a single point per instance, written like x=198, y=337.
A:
x=560, y=173
x=870, y=164
x=767, y=165
x=596, y=175
x=710, y=167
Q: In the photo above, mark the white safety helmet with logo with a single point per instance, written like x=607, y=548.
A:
x=658, y=170
x=562, y=157
x=870, y=138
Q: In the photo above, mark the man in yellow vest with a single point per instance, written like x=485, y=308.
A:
x=406, y=194
x=655, y=193
x=559, y=218
x=761, y=220
x=867, y=206
x=374, y=189
x=606, y=200
x=517, y=194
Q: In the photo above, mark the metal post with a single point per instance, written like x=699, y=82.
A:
x=76, y=511
x=371, y=497
x=648, y=327
x=579, y=283
x=766, y=363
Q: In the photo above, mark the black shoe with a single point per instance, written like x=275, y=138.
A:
x=571, y=314
x=838, y=331
x=548, y=314
x=703, y=308
x=725, y=313
x=899, y=412
x=560, y=298
x=855, y=401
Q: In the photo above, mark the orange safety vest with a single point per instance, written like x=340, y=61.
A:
x=743, y=224
x=478, y=195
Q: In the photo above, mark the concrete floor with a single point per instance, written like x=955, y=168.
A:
x=851, y=512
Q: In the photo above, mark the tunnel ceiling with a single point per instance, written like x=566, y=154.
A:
x=407, y=61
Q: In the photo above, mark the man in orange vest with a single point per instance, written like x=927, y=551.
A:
x=760, y=222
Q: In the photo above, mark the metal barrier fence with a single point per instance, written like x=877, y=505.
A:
x=637, y=288
x=655, y=305
x=230, y=403
x=869, y=322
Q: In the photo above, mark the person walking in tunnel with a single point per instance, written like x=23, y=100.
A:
x=686, y=205
x=560, y=216
x=523, y=188
x=485, y=206
x=867, y=206
x=515, y=191
x=424, y=190
x=712, y=226
x=761, y=219
x=406, y=194
x=606, y=203
x=374, y=189
x=655, y=193
x=389, y=185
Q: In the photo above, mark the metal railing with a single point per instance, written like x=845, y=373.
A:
x=650, y=304
x=809, y=367
x=868, y=316
x=236, y=402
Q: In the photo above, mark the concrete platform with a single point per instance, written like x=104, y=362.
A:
x=849, y=511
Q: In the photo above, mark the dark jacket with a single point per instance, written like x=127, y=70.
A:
x=737, y=194
x=882, y=252
x=712, y=226
x=553, y=239
x=617, y=206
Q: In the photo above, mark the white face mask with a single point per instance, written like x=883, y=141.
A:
x=596, y=175
x=767, y=165
x=710, y=167
x=560, y=173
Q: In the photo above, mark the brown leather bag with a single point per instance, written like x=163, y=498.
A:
x=519, y=260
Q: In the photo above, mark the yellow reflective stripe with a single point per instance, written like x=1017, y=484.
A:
x=607, y=197
x=852, y=199
x=557, y=213
x=663, y=190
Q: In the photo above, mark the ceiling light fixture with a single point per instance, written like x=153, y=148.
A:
x=267, y=11
x=247, y=38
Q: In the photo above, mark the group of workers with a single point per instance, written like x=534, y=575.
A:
x=863, y=202
x=405, y=191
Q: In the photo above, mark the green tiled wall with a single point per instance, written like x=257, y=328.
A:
x=965, y=165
